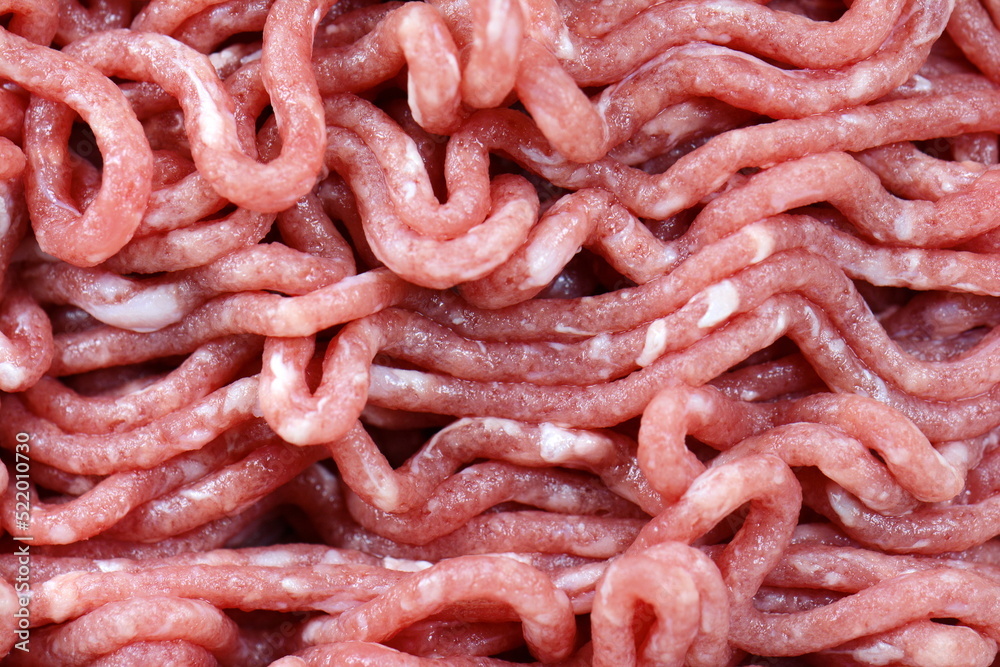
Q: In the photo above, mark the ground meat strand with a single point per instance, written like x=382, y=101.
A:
x=461, y=332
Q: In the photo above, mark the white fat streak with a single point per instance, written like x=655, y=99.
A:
x=912, y=259
x=729, y=7
x=404, y=565
x=4, y=216
x=880, y=653
x=668, y=205
x=211, y=119
x=878, y=389
x=284, y=373
x=976, y=289
x=952, y=183
x=195, y=495
x=833, y=579
x=565, y=48
x=845, y=508
x=297, y=431
x=600, y=347
x=222, y=58
x=452, y=65
x=386, y=495
x=205, y=411
x=558, y=445
x=391, y=380
x=12, y=376
x=113, y=565
x=295, y=586
x=959, y=454
x=413, y=166
x=723, y=300
x=62, y=534
x=198, y=435
x=851, y=119
x=409, y=190
x=538, y=157
x=579, y=578
x=861, y=84
x=413, y=379
x=902, y=226
x=192, y=470
x=62, y=593
x=508, y=426
x=147, y=310
x=498, y=10
x=567, y=329
x=921, y=84
x=275, y=558
x=763, y=242
x=656, y=343
x=430, y=589
x=541, y=261
x=236, y=400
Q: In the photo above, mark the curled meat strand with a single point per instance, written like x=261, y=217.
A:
x=491, y=532
x=929, y=594
x=395, y=163
x=600, y=60
x=87, y=238
x=152, y=618
x=129, y=500
x=774, y=499
x=412, y=35
x=35, y=21
x=209, y=116
x=25, y=341
x=668, y=347
x=690, y=604
x=208, y=368
x=585, y=219
x=223, y=491
x=513, y=210
x=145, y=446
x=77, y=20
x=483, y=486
x=235, y=586
x=151, y=304
x=927, y=530
x=544, y=610
x=366, y=471
x=859, y=195
x=977, y=36
x=791, y=430
x=165, y=17
x=268, y=314
x=680, y=72
x=706, y=169
x=205, y=30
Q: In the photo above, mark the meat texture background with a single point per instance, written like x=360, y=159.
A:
x=471, y=332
